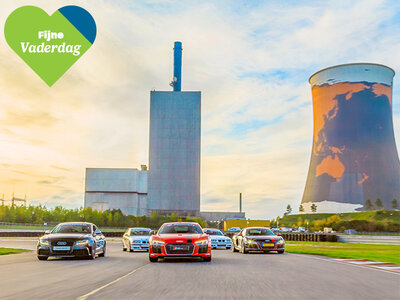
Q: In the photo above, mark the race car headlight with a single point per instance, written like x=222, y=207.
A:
x=280, y=242
x=82, y=243
x=201, y=242
x=248, y=241
x=44, y=242
x=157, y=243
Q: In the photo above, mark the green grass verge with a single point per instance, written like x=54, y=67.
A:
x=4, y=251
x=383, y=253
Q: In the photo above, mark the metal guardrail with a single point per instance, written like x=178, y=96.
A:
x=370, y=239
x=311, y=237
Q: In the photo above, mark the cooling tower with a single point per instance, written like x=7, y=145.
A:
x=354, y=156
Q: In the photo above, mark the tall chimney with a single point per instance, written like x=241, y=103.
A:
x=177, y=66
x=240, y=202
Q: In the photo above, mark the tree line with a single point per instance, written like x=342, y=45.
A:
x=383, y=221
x=109, y=218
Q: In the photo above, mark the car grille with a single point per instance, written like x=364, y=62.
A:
x=61, y=242
x=68, y=242
x=169, y=248
x=261, y=242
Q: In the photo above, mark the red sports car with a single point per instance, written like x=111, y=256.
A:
x=180, y=239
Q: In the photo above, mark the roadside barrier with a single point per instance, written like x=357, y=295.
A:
x=311, y=237
x=370, y=239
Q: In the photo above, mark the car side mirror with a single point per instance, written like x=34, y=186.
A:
x=278, y=233
x=97, y=232
x=47, y=231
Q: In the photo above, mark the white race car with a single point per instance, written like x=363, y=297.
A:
x=136, y=239
x=218, y=239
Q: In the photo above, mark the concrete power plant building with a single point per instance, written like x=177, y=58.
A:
x=354, y=157
x=174, y=160
x=172, y=183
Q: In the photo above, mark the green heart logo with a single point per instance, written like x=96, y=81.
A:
x=50, y=45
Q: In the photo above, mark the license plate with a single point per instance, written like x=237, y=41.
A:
x=61, y=248
x=180, y=248
x=268, y=245
x=221, y=244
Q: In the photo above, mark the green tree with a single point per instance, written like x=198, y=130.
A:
x=299, y=221
x=378, y=203
x=395, y=204
x=368, y=205
x=313, y=208
x=173, y=217
x=288, y=209
x=301, y=208
x=109, y=219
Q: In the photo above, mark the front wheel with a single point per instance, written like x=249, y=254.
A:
x=234, y=248
x=243, y=249
x=281, y=251
x=207, y=259
x=104, y=252
x=93, y=252
x=153, y=259
x=42, y=257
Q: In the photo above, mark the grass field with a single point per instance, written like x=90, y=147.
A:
x=4, y=251
x=383, y=253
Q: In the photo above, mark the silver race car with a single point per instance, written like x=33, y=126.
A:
x=218, y=239
x=136, y=239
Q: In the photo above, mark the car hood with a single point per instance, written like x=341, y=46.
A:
x=264, y=237
x=180, y=237
x=58, y=236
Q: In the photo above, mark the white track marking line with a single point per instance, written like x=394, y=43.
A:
x=364, y=262
x=387, y=267
x=344, y=263
x=84, y=297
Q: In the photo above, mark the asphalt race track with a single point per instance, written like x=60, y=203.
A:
x=124, y=275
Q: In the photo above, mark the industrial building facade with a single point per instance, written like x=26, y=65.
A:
x=124, y=189
x=172, y=184
x=174, y=160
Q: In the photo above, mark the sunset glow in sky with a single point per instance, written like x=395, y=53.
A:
x=251, y=61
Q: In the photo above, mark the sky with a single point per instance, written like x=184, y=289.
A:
x=250, y=59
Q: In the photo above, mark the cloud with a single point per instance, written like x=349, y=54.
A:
x=250, y=60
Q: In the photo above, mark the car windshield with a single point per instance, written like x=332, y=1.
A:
x=181, y=228
x=72, y=228
x=259, y=231
x=214, y=232
x=140, y=232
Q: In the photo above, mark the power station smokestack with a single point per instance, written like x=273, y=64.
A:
x=240, y=202
x=176, y=83
x=354, y=160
